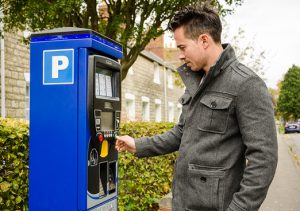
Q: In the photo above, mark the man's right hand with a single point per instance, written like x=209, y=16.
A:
x=125, y=143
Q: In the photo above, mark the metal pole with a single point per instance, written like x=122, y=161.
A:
x=165, y=94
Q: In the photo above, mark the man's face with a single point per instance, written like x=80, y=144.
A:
x=191, y=51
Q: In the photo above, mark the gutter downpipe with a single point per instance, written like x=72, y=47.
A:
x=2, y=71
x=165, y=94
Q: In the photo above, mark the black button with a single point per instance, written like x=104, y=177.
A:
x=213, y=104
x=203, y=179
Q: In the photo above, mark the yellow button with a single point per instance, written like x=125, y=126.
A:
x=104, y=149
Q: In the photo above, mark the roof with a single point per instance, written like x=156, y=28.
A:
x=151, y=56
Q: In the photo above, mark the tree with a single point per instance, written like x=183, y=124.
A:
x=288, y=103
x=274, y=92
x=246, y=52
x=133, y=23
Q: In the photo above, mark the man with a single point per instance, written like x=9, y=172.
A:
x=226, y=135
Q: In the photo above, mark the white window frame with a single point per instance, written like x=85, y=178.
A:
x=27, y=96
x=171, y=112
x=170, y=79
x=179, y=110
x=145, y=109
x=157, y=110
x=131, y=71
x=156, y=78
x=130, y=106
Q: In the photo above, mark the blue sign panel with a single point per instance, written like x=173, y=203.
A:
x=58, y=66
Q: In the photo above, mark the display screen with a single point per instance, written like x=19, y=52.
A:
x=107, y=121
x=103, y=82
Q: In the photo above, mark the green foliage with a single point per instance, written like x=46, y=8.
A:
x=132, y=23
x=143, y=181
x=288, y=104
x=14, y=164
x=281, y=128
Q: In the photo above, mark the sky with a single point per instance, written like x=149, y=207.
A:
x=274, y=27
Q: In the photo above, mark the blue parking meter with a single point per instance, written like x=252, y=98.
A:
x=75, y=109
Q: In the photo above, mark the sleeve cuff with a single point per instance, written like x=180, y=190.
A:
x=140, y=145
x=234, y=207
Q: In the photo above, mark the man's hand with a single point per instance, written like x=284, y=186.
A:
x=125, y=143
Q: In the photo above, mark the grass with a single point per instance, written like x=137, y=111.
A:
x=295, y=156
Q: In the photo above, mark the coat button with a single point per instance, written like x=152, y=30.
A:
x=213, y=104
x=203, y=179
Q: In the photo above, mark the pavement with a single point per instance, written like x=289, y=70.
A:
x=284, y=192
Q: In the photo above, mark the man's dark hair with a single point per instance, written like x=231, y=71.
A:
x=197, y=20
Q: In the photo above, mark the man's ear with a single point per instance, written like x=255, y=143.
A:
x=203, y=40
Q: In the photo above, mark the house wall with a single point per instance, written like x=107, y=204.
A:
x=16, y=64
x=141, y=84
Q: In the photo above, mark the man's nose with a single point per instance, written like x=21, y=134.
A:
x=181, y=56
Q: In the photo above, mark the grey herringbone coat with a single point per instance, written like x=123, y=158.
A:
x=225, y=121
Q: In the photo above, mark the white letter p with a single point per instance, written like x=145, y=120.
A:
x=59, y=63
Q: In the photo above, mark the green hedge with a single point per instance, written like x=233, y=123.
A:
x=141, y=181
x=14, y=165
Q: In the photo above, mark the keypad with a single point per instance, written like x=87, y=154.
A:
x=108, y=134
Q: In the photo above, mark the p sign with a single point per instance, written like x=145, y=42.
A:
x=58, y=66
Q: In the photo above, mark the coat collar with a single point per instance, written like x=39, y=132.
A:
x=191, y=79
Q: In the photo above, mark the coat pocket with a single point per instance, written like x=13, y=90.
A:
x=214, y=113
x=205, y=188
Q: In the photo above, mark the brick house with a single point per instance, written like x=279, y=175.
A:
x=148, y=92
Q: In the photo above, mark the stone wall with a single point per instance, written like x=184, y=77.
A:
x=16, y=64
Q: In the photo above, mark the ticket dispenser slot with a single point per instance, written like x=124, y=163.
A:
x=112, y=178
x=103, y=179
x=104, y=118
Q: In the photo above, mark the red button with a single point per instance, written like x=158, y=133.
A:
x=100, y=136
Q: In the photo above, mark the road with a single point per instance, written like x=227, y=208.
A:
x=284, y=192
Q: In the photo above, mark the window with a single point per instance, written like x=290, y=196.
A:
x=157, y=110
x=145, y=109
x=170, y=79
x=130, y=106
x=156, y=73
x=130, y=71
x=169, y=41
x=27, y=101
x=27, y=79
x=171, y=112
